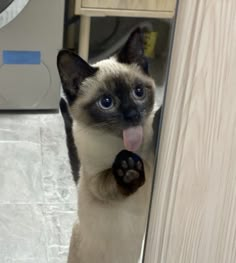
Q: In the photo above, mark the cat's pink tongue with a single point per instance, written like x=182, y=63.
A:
x=133, y=138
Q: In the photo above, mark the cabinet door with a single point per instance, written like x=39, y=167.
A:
x=149, y=5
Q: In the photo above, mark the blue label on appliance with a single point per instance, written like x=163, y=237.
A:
x=15, y=57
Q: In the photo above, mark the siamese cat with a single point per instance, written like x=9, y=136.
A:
x=110, y=140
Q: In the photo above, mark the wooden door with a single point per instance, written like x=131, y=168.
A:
x=193, y=215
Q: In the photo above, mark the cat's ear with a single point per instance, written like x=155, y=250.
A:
x=73, y=70
x=133, y=50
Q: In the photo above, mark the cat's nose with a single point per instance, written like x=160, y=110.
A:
x=132, y=115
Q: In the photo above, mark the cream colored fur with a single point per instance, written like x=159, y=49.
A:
x=108, y=230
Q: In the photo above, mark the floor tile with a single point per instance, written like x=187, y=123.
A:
x=56, y=174
x=20, y=172
x=59, y=221
x=37, y=193
x=51, y=128
x=22, y=234
x=19, y=127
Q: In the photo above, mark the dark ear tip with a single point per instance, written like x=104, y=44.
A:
x=137, y=38
x=66, y=51
x=138, y=32
x=63, y=53
x=133, y=50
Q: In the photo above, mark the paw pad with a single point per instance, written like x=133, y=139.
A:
x=128, y=170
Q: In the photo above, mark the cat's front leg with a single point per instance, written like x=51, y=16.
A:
x=128, y=170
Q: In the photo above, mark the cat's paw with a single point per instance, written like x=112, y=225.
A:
x=128, y=170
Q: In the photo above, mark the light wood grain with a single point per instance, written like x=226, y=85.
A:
x=123, y=13
x=151, y=5
x=193, y=216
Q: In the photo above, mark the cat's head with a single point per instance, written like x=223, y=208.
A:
x=115, y=94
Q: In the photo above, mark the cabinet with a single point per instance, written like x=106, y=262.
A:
x=138, y=7
x=128, y=8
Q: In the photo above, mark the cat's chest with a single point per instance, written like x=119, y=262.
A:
x=97, y=149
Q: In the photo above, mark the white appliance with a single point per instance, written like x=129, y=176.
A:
x=31, y=33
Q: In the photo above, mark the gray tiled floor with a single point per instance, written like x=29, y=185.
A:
x=37, y=194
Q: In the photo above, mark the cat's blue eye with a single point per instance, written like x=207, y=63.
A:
x=139, y=92
x=105, y=102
